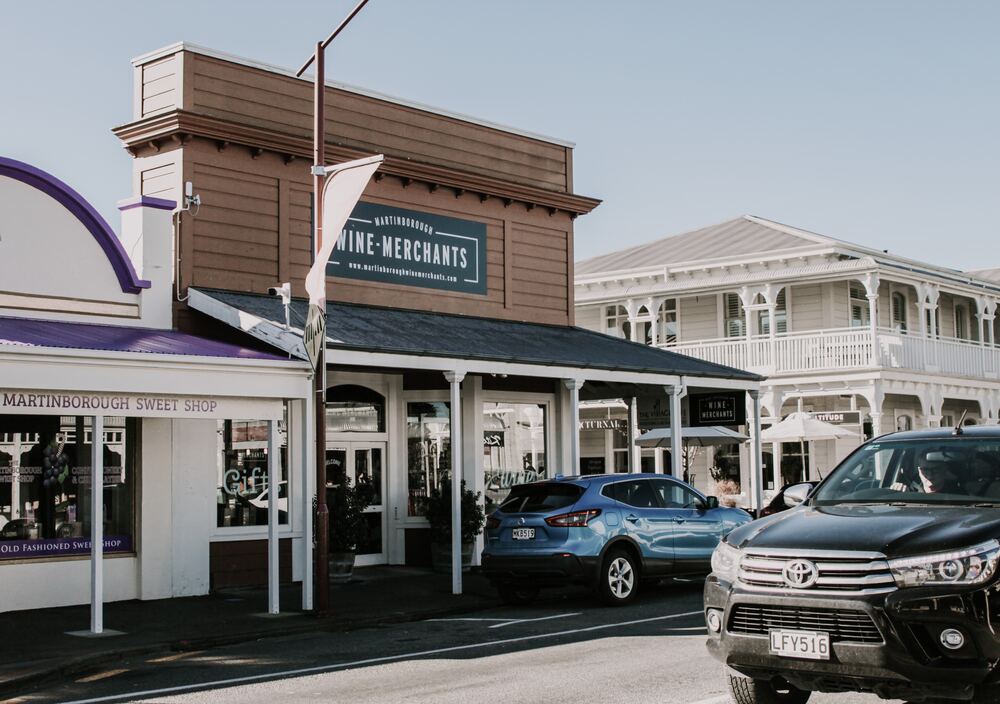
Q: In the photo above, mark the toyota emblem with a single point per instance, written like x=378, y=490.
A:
x=521, y=520
x=800, y=574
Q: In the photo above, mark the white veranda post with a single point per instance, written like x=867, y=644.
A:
x=676, y=444
x=96, y=525
x=273, y=491
x=573, y=386
x=757, y=454
x=455, y=379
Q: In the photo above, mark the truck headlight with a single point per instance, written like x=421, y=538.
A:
x=726, y=562
x=975, y=565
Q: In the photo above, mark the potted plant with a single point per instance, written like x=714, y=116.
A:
x=348, y=529
x=437, y=510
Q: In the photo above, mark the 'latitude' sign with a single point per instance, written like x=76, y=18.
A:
x=398, y=246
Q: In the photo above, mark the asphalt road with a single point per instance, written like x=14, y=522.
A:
x=560, y=649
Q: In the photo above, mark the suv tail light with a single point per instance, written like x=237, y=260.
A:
x=492, y=523
x=577, y=519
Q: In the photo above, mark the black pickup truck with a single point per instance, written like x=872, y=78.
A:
x=882, y=579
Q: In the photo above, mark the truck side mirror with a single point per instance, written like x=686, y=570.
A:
x=795, y=495
x=711, y=502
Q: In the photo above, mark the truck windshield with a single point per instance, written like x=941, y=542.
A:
x=951, y=471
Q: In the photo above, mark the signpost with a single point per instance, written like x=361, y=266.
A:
x=314, y=334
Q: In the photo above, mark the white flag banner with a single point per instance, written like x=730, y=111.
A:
x=344, y=185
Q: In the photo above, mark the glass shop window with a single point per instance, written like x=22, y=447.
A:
x=45, y=485
x=428, y=450
x=513, y=447
x=354, y=409
x=243, y=495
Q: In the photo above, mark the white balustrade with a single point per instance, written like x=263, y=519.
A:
x=847, y=348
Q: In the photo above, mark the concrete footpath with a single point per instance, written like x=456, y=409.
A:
x=35, y=645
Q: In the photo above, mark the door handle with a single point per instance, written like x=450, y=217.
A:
x=678, y=519
x=632, y=518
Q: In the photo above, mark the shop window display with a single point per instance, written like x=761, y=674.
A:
x=513, y=447
x=45, y=479
x=428, y=450
x=243, y=494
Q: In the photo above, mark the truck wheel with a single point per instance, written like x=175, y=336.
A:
x=516, y=596
x=619, y=579
x=746, y=690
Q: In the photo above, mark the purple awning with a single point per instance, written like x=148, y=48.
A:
x=23, y=332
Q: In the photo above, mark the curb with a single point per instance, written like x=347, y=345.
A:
x=83, y=663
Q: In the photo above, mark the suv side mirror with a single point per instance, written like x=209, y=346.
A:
x=711, y=502
x=795, y=495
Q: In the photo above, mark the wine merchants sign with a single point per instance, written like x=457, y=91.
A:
x=398, y=246
x=137, y=405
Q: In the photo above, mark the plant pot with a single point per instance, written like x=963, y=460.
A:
x=341, y=567
x=441, y=557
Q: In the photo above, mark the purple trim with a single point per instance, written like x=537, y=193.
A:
x=147, y=202
x=28, y=332
x=85, y=213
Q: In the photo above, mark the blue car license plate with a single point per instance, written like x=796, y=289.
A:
x=523, y=534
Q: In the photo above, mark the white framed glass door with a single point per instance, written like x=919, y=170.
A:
x=364, y=462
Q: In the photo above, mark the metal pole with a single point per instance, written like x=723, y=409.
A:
x=333, y=35
x=273, y=491
x=322, y=587
x=96, y=525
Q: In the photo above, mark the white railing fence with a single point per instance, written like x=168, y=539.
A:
x=847, y=348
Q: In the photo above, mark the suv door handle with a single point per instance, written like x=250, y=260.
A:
x=678, y=519
x=632, y=518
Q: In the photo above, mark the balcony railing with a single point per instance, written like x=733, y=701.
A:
x=848, y=348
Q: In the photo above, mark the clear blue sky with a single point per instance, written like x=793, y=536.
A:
x=875, y=122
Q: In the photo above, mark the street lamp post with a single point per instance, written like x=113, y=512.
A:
x=321, y=558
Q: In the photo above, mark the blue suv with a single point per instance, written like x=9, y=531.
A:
x=607, y=531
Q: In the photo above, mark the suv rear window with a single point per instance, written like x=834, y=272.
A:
x=537, y=498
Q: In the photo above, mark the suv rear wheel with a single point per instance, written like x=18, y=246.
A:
x=746, y=690
x=619, y=578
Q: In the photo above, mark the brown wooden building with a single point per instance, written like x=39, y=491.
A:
x=498, y=322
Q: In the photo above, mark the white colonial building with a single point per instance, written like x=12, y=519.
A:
x=860, y=336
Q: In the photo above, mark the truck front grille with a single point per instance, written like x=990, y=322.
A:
x=837, y=572
x=843, y=625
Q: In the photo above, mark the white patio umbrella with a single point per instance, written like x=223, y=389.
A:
x=800, y=427
x=700, y=437
x=709, y=435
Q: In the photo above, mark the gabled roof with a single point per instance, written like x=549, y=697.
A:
x=740, y=236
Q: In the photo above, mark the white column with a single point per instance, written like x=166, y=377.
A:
x=676, y=443
x=756, y=455
x=96, y=525
x=873, y=328
x=306, y=430
x=776, y=453
x=273, y=490
x=455, y=379
x=574, y=385
x=634, y=451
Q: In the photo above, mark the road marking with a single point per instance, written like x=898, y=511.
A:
x=176, y=656
x=467, y=619
x=102, y=675
x=320, y=669
x=532, y=620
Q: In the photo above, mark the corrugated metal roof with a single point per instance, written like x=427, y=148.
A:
x=988, y=274
x=24, y=332
x=741, y=236
x=411, y=332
